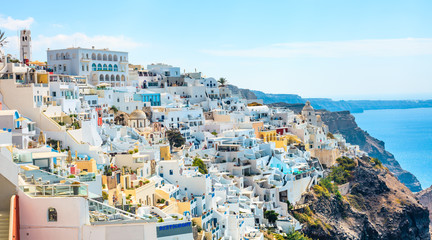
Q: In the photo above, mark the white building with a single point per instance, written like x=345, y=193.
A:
x=98, y=65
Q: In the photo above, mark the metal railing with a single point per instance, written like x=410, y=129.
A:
x=101, y=212
x=57, y=190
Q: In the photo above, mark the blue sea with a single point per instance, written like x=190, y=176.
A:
x=407, y=134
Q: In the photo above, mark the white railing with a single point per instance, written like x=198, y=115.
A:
x=107, y=213
x=56, y=190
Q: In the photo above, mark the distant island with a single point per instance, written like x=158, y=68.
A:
x=354, y=106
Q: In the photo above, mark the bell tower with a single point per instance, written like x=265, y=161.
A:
x=25, y=46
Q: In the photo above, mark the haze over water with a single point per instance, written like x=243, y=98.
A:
x=407, y=134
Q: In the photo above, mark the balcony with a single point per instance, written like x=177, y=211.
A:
x=56, y=190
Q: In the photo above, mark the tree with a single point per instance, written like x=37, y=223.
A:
x=2, y=39
x=198, y=162
x=290, y=206
x=114, y=109
x=271, y=216
x=175, y=138
x=222, y=81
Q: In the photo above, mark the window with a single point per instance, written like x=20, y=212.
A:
x=54, y=94
x=87, y=68
x=99, y=68
x=82, y=67
x=171, y=172
x=93, y=67
x=93, y=56
x=110, y=67
x=115, y=68
x=105, y=67
x=52, y=215
x=64, y=67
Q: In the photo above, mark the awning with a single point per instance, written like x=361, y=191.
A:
x=39, y=155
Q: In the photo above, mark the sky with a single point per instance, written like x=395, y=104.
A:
x=334, y=48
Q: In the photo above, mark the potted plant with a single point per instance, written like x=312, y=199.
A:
x=75, y=187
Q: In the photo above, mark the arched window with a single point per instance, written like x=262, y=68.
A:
x=52, y=215
x=121, y=58
x=110, y=57
x=112, y=78
x=67, y=55
x=123, y=78
x=105, y=67
x=115, y=58
x=87, y=55
x=62, y=56
x=107, y=77
x=87, y=67
x=105, y=57
x=115, y=68
x=93, y=56
x=118, y=78
x=93, y=67
x=57, y=56
x=101, y=78
x=99, y=56
x=110, y=67
x=99, y=67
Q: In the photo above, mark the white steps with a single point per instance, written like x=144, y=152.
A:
x=4, y=225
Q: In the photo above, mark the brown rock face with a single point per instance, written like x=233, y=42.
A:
x=377, y=206
x=425, y=198
x=344, y=123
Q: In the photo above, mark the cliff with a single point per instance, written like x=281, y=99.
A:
x=425, y=199
x=344, y=123
x=376, y=206
x=244, y=93
x=354, y=106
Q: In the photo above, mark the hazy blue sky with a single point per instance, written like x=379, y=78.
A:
x=339, y=49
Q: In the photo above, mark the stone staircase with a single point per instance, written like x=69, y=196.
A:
x=4, y=225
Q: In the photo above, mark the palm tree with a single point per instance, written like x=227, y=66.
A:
x=222, y=81
x=2, y=39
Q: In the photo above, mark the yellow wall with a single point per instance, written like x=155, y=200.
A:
x=42, y=77
x=165, y=152
x=268, y=136
x=89, y=165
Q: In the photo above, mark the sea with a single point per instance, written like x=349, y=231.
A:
x=407, y=134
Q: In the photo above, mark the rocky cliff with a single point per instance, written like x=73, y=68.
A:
x=425, y=198
x=244, y=93
x=377, y=206
x=344, y=123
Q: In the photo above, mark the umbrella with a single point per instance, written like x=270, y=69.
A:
x=41, y=139
x=69, y=157
x=20, y=119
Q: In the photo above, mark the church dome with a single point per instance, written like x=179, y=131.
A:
x=137, y=115
x=307, y=107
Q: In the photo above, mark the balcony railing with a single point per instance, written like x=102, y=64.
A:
x=57, y=190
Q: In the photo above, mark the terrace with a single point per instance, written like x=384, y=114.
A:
x=39, y=183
